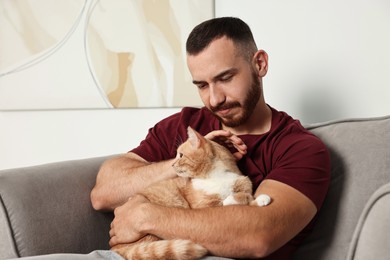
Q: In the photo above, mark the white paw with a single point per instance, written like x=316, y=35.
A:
x=229, y=201
x=263, y=200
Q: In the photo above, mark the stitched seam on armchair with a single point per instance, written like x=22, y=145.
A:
x=342, y=121
x=8, y=219
x=360, y=225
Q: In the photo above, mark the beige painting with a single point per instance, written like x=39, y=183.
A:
x=77, y=54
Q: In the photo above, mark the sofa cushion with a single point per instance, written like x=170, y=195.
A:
x=47, y=209
x=360, y=159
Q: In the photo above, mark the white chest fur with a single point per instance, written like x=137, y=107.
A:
x=219, y=182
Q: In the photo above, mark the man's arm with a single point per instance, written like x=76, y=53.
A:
x=121, y=177
x=230, y=231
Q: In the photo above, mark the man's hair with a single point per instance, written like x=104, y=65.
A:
x=232, y=28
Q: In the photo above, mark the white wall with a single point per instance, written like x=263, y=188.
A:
x=328, y=60
x=37, y=137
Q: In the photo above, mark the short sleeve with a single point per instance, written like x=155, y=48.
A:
x=302, y=161
x=161, y=141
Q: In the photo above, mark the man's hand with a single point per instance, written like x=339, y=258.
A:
x=226, y=138
x=124, y=227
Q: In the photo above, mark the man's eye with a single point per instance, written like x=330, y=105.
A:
x=201, y=86
x=227, y=78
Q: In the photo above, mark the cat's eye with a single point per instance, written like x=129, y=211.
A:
x=180, y=155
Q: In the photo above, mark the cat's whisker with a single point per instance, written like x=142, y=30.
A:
x=208, y=176
x=178, y=141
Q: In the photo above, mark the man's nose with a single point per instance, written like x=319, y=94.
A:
x=217, y=96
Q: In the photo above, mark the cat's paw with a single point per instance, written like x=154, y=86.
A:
x=230, y=200
x=262, y=200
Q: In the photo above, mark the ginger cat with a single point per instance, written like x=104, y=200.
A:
x=207, y=176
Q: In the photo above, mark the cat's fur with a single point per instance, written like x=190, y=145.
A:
x=207, y=176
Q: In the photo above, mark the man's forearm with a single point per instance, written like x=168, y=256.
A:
x=234, y=231
x=231, y=231
x=124, y=176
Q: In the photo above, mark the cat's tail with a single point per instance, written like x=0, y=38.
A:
x=176, y=249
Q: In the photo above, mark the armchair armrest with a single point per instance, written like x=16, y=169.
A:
x=371, y=236
x=46, y=209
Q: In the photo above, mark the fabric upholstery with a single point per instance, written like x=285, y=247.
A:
x=371, y=237
x=96, y=255
x=47, y=209
x=360, y=159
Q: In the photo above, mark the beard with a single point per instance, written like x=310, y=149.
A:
x=248, y=106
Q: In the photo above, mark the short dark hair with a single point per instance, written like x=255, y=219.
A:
x=231, y=27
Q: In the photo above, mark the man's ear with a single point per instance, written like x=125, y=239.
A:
x=194, y=138
x=260, y=60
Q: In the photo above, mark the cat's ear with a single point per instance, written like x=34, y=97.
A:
x=194, y=137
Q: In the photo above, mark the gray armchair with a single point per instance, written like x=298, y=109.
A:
x=46, y=209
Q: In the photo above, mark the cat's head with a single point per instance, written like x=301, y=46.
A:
x=198, y=156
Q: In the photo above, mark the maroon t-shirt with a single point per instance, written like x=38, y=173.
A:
x=287, y=153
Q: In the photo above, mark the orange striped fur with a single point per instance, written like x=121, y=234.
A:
x=207, y=176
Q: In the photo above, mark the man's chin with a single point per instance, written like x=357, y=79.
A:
x=230, y=122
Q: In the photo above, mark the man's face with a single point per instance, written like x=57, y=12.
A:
x=228, y=84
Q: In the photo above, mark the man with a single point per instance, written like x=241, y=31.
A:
x=282, y=159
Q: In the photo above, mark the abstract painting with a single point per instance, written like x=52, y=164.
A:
x=83, y=54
